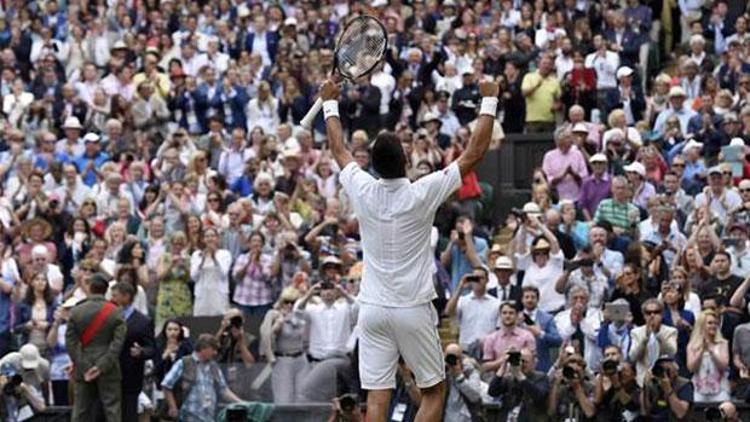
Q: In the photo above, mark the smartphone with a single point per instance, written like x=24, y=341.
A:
x=472, y=279
x=617, y=311
x=527, y=320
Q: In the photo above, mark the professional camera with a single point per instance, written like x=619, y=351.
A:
x=347, y=402
x=12, y=387
x=514, y=358
x=569, y=373
x=713, y=414
x=236, y=322
x=609, y=367
x=518, y=213
x=658, y=371
x=451, y=360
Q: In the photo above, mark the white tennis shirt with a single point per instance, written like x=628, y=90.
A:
x=395, y=219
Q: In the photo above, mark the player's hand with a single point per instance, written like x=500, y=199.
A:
x=489, y=89
x=329, y=91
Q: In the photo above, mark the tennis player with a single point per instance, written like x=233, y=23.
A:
x=396, y=317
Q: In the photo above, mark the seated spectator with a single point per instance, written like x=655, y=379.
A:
x=579, y=326
x=675, y=315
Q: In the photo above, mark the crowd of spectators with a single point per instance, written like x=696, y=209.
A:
x=151, y=153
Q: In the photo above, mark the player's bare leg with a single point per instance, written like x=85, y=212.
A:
x=432, y=403
x=378, y=403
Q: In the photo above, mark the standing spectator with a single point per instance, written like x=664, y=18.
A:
x=579, y=326
x=255, y=288
x=464, y=251
x=596, y=187
x=541, y=325
x=95, y=351
x=508, y=337
x=283, y=344
x=477, y=312
x=59, y=357
x=708, y=360
x=605, y=63
x=174, y=298
x=35, y=313
x=171, y=345
x=565, y=166
x=330, y=322
x=209, y=269
x=199, y=382
x=543, y=264
x=542, y=91
x=651, y=340
x=234, y=353
x=138, y=347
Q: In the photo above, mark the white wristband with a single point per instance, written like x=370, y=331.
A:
x=330, y=109
x=489, y=106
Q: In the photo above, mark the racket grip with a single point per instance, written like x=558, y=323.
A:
x=309, y=118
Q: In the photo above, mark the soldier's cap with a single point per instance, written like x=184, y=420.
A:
x=98, y=278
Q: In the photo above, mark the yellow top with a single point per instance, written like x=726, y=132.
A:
x=539, y=104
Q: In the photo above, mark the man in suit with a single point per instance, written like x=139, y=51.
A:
x=628, y=96
x=623, y=40
x=139, y=346
x=541, y=325
x=506, y=290
x=262, y=40
x=95, y=335
x=651, y=340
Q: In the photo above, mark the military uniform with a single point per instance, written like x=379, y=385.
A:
x=103, y=352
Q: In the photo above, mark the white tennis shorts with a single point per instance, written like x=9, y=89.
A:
x=385, y=333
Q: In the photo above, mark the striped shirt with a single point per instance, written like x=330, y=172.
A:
x=618, y=214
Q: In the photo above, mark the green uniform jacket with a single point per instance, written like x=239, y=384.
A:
x=104, y=350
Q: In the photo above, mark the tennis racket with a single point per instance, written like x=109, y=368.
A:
x=360, y=48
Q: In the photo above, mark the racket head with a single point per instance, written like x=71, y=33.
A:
x=360, y=48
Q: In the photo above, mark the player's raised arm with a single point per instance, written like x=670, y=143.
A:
x=330, y=93
x=480, y=138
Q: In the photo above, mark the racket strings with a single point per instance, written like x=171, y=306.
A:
x=361, y=48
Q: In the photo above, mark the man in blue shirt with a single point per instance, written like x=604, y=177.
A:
x=464, y=251
x=92, y=159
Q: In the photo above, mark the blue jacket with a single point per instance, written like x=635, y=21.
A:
x=549, y=340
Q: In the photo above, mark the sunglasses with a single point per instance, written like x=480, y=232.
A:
x=652, y=312
x=745, y=190
x=678, y=165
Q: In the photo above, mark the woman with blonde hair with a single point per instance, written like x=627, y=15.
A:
x=708, y=360
x=282, y=336
x=198, y=166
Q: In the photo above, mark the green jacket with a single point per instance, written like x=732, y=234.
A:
x=104, y=350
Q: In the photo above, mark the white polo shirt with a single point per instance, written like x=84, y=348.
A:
x=395, y=218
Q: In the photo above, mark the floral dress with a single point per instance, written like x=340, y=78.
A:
x=174, y=299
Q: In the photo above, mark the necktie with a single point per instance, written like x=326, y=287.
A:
x=652, y=350
x=505, y=294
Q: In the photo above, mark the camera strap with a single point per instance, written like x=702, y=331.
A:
x=97, y=323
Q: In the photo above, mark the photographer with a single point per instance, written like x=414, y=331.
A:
x=616, y=394
x=19, y=399
x=522, y=388
x=571, y=391
x=345, y=409
x=464, y=386
x=665, y=396
x=234, y=354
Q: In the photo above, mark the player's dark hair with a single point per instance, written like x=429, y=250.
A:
x=388, y=158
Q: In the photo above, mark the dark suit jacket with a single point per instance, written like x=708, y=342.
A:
x=613, y=100
x=141, y=331
x=631, y=44
x=514, y=294
x=531, y=394
x=272, y=43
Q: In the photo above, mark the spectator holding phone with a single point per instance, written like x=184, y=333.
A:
x=520, y=386
x=464, y=251
x=617, y=321
x=477, y=312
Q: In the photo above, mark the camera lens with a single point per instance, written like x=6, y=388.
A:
x=451, y=360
